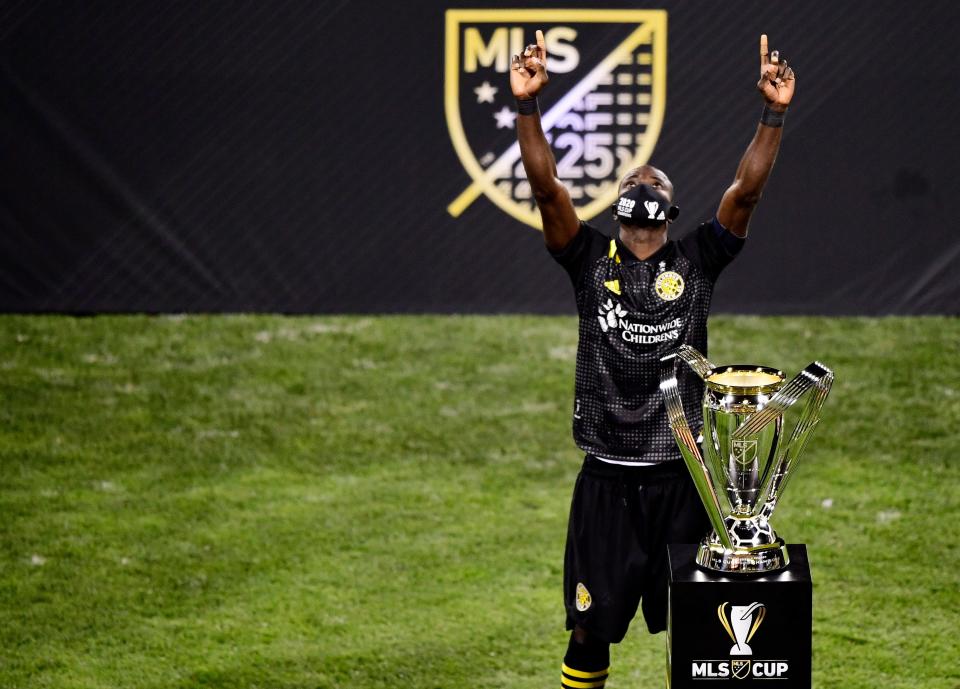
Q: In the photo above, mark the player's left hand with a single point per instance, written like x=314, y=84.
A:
x=777, y=79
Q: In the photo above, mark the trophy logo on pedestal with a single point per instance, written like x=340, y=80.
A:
x=744, y=464
x=741, y=624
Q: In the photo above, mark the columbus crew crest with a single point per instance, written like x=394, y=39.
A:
x=669, y=285
x=602, y=111
x=584, y=599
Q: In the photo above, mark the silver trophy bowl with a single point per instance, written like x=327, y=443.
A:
x=743, y=466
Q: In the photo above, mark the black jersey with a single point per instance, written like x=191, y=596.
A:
x=632, y=312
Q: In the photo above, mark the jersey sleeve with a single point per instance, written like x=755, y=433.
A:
x=712, y=247
x=587, y=246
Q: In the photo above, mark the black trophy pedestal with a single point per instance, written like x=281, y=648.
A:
x=739, y=629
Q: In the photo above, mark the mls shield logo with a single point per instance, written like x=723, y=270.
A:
x=740, y=669
x=744, y=451
x=602, y=111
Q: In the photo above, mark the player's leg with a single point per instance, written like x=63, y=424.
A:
x=586, y=663
x=602, y=570
x=670, y=511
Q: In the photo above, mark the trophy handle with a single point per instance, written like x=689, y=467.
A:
x=815, y=377
x=695, y=360
x=684, y=436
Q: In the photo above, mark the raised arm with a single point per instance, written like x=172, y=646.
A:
x=528, y=76
x=776, y=84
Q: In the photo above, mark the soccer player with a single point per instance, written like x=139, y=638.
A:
x=639, y=295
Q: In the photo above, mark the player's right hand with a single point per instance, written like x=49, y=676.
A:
x=528, y=72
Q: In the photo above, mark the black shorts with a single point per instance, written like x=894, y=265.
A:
x=621, y=520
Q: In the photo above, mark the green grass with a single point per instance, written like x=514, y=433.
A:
x=381, y=502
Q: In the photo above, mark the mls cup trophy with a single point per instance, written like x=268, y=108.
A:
x=744, y=465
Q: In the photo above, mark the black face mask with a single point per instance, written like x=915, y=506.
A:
x=641, y=206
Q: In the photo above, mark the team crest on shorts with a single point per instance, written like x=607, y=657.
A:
x=602, y=111
x=584, y=599
x=669, y=285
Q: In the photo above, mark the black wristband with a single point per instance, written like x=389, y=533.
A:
x=527, y=106
x=772, y=118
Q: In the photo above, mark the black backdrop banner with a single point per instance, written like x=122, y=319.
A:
x=299, y=156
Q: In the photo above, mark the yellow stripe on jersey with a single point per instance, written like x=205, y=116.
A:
x=612, y=253
x=613, y=286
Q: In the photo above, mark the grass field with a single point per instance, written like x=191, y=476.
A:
x=282, y=502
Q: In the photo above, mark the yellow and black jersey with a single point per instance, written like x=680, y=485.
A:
x=632, y=312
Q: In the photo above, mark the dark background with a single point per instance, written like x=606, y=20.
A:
x=293, y=156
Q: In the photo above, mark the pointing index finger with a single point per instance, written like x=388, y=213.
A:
x=764, y=52
x=541, y=43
